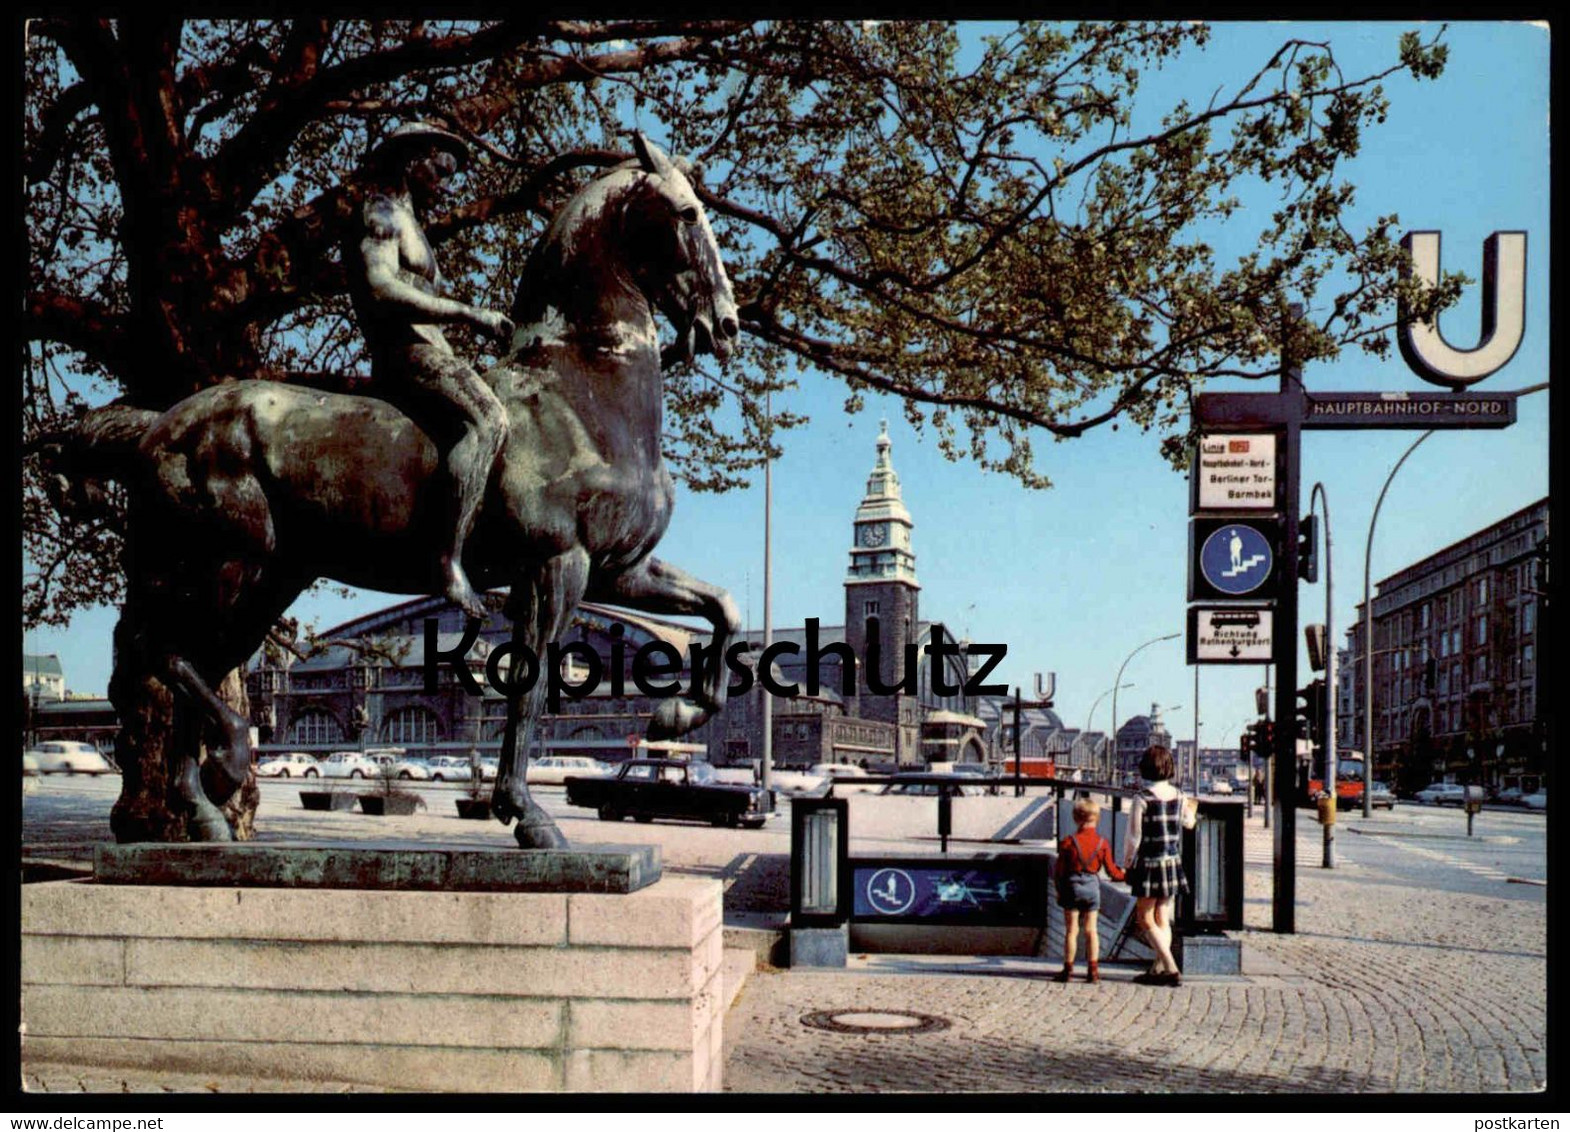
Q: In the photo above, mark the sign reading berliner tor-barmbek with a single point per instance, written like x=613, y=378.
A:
x=1237, y=471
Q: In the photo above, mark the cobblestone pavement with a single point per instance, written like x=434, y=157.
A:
x=1381, y=989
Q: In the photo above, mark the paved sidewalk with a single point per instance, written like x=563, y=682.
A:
x=1382, y=989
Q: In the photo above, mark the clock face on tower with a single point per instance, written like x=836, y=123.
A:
x=873, y=536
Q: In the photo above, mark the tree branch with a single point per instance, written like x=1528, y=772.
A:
x=80, y=324
x=250, y=159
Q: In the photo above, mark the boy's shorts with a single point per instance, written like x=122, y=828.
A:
x=1080, y=891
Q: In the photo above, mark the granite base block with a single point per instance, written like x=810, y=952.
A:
x=461, y=991
x=819, y=947
x=1209, y=954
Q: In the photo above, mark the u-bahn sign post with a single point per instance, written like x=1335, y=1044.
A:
x=1244, y=496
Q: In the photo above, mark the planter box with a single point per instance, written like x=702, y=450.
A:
x=326, y=800
x=475, y=809
x=390, y=805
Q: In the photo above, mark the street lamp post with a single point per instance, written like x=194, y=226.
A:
x=1097, y=704
x=766, y=756
x=1368, y=636
x=1114, y=732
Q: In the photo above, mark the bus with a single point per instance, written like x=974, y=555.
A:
x=1036, y=766
x=1349, y=778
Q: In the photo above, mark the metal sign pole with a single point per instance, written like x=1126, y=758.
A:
x=1285, y=659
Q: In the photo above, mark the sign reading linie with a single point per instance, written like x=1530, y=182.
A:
x=1236, y=472
x=1230, y=634
x=1398, y=410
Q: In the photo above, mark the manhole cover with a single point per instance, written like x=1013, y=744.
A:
x=874, y=1022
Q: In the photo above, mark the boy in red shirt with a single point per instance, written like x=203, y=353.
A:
x=1081, y=857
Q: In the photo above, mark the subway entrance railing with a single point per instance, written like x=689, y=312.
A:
x=988, y=902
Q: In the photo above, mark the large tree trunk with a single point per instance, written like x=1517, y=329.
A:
x=151, y=731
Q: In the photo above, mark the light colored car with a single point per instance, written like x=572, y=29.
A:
x=450, y=768
x=1538, y=801
x=1381, y=796
x=1510, y=796
x=930, y=786
x=67, y=756
x=1441, y=794
x=1220, y=786
x=29, y=763
x=395, y=764
x=552, y=770
x=836, y=771
x=350, y=764
x=292, y=765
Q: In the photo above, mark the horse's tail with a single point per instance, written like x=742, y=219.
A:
x=102, y=447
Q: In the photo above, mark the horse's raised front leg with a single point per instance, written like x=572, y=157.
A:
x=653, y=586
x=540, y=608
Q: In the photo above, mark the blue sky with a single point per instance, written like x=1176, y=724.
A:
x=1074, y=578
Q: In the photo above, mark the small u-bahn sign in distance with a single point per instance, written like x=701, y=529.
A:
x=1232, y=557
x=1230, y=634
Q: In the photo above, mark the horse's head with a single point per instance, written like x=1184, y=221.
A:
x=640, y=223
x=676, y=260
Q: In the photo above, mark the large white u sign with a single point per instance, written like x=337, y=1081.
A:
x=1504, y=312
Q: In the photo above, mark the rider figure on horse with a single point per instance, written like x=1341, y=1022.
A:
x=393, y=282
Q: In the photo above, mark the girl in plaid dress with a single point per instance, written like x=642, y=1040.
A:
x=1154, y=852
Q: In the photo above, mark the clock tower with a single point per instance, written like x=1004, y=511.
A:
x=881, y=586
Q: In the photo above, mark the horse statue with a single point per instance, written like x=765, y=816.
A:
x=245, y=493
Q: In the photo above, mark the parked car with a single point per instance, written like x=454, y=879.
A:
x=1220, y=786
x=552, y=770
x=667, y=788
x=450, y=768
x=931, y=785
x=395, y=763
x=1510, y=796
x=67, y=756
x=292, y=765
x=1538, y=801
x=489, y=768
x=836, y=771
x=1441, y=794
x=350, y=764
x=1380, y=797
x=847, y=778
x=29, y=763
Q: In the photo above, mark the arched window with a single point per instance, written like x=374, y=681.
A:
x=315, y=727
x=412, y=727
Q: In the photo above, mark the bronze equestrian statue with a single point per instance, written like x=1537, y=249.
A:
x=245, y=493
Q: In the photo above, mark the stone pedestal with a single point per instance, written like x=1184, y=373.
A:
x=423, y=990
x=1208, y=954
x=819, y=947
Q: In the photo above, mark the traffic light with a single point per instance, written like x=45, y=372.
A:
x=1314, y=637
x=1311, y=712
x=1308, y=549
x=1264, y=738
x=1246, y=746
